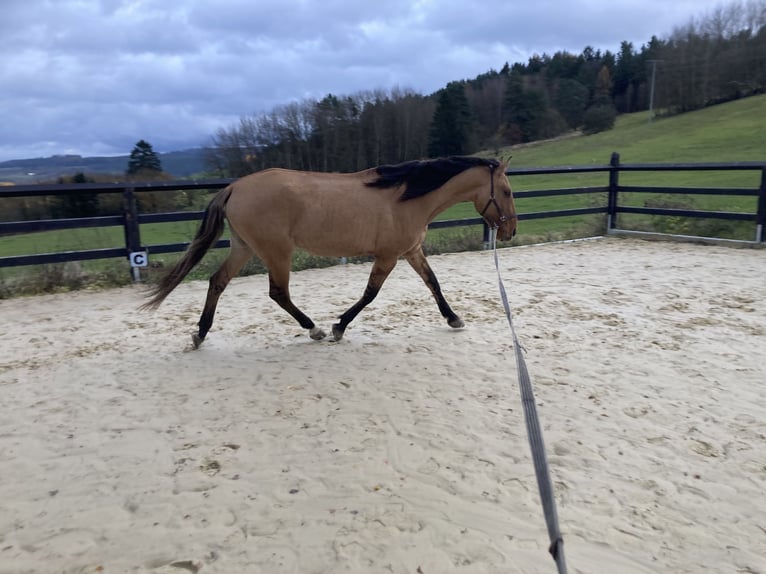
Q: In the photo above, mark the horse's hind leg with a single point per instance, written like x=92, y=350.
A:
x=417, y=259
x=279, y=291
x=381, y=268
x=239, y=255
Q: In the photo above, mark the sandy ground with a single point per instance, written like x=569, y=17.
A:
x=401, y=448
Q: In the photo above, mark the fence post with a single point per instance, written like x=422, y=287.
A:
x=485, y=235
x=760, y=218
x=614, y=181
x=132, y=233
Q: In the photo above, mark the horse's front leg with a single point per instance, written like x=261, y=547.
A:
x=381, y=268
x=417, y=259
x=279, y=291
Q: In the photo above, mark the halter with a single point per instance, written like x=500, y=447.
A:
x=492, y=200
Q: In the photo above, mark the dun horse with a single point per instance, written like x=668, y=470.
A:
x=383, y=212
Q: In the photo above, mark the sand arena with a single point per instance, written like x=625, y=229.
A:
x=401, y=448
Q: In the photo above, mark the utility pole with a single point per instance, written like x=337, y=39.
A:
x=651, y=93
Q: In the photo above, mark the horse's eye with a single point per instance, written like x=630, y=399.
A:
x=507, y=193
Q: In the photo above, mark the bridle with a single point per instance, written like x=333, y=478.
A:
x=492, y=200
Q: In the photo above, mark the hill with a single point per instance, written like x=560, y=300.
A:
x=734, y=131
x=730, y=132
x=181, y=164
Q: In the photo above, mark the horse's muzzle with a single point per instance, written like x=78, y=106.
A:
x=507, y=229
x=505, y=236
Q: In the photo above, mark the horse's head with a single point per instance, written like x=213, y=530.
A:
x=495, y=203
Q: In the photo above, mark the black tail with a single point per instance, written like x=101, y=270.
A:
x=209, y=232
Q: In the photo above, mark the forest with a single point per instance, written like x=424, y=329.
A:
x=713, y=59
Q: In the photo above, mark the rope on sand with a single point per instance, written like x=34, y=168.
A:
x=534, y=431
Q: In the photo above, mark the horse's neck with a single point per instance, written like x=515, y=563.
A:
x=451, y=193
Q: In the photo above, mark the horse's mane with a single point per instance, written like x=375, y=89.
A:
x=422, y=177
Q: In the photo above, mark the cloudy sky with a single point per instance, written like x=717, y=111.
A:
x=92, y=77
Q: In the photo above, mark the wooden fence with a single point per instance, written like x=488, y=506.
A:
x=136, y=252
x=613, y=190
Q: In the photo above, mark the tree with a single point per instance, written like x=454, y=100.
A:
x=600, y=116
x=602, y=93
x=526, y=110
x=144, y=165
x=628, y=76
x=143, y=158
x=571, y=100
x=515, y=112
x=563, y=65
x=486, y=101
x=335, y=121
x=451, y=128
x=77, y=204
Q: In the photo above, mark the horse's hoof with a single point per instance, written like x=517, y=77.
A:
x=196, y=340
x=456, y=323
x=337, y=332
x=317, y=334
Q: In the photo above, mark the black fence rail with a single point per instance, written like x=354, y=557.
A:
x=136, y=252
x=613, y=190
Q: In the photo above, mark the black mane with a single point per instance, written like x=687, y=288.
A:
x=422, y=177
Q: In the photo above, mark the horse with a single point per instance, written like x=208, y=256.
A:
x=381, y=212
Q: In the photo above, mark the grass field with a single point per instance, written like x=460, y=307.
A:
x=731, y=132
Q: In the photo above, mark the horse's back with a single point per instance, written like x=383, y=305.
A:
x=299, y=185
x=324, y=213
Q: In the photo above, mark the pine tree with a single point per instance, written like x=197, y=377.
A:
x=525, y=110
x=601, y=115
x=143, y=158
x=451, y=127
x=571, y=100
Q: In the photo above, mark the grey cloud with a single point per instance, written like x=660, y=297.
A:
x=94, y=77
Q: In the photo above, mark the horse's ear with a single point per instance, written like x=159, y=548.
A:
x=505, y=160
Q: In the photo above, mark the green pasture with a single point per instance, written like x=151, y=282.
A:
x=94, y=238
x=735, y=131
x=732, y=132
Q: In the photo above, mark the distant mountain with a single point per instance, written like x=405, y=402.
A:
x=182, y=164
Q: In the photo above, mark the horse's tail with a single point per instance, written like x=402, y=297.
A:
x=209, y=232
